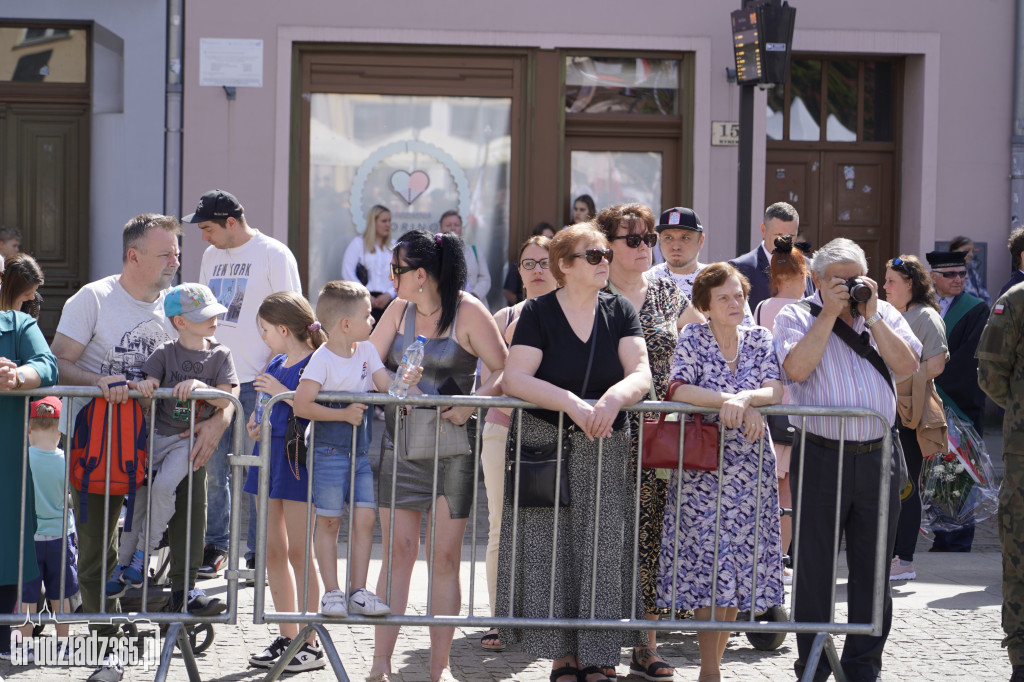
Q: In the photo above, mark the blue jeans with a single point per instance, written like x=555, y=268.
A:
x=218, y=493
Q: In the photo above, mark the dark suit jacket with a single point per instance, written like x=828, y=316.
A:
x=1016, y=278
x=755, y=267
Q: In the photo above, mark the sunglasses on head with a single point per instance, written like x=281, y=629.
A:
x=962, y=274
x=899, y=265
x=397, y=270
x=594, y=256
x=633, y=240
x=530, y=263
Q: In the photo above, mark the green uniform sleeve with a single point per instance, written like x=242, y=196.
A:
x=999, y=348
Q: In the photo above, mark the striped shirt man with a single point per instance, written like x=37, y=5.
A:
x=842, y=378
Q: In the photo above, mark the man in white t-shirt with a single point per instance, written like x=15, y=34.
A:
x=242, y=266
x=681, y=237
x=107, y=330
x=478, y=275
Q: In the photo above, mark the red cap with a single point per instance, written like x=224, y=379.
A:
x=50, y=400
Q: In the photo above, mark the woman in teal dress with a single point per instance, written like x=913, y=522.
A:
x=25, y=362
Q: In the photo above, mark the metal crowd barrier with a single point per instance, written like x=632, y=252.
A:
x=179, y=624
x=314, y=622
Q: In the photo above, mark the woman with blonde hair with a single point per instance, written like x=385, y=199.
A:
x=368, y=258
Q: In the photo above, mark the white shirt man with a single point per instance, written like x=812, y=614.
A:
x=242, y=266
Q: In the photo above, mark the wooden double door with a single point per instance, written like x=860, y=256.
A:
x=839, y=193
x=44, y=192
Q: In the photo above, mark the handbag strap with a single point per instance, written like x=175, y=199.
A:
x=593, y=345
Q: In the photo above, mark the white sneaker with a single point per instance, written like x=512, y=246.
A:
x=333, y=604
x=362, y=602
x=901, y=570
x=307, y=658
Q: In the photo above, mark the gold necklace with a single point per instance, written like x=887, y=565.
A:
x=438, y=308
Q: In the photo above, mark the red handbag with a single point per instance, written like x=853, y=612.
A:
x=661, y=441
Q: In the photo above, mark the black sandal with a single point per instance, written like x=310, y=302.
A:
x=592, y=670
x=564, y=671
x=491, y=641
x=657, y=671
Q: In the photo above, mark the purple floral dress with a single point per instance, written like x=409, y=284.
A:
x=698, y=361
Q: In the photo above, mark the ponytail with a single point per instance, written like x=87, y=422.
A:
x=443, y=257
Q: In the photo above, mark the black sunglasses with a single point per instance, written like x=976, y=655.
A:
x=954, y=274
x=594, y=256
x=899, y=265
x=633, y=240
x=531, y=263
x=397, y=270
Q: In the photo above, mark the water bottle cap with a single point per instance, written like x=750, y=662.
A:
x=421, y=338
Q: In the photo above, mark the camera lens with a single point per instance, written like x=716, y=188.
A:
x=859, y=291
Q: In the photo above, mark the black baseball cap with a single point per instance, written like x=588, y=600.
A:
x=679, y=218
x=215, y=204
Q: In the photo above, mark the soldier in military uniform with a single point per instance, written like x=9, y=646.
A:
x=1001, y=376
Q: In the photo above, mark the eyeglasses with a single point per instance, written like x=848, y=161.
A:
x=397, y=270
x=899, y=265
x=531, y=263
x=594, y=256
x=955, y=274
x=633, y=240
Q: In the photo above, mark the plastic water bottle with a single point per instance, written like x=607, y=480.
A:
x=413, y=357
x=262, y=398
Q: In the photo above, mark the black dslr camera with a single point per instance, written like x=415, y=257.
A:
x=859, y=293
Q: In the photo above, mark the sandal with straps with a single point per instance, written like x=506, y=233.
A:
x=592, y=670
x=656, y=671
x=564, y=671
x=491, y=641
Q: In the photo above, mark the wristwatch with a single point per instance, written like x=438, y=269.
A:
x=19, y=379
x=871, y=320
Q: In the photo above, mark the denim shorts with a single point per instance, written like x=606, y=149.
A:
x=331, y=469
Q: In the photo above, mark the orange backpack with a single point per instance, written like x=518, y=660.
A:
x=127, y=451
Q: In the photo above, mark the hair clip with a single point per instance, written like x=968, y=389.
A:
x=316, y=326
x=784, y=243
x=437, y=238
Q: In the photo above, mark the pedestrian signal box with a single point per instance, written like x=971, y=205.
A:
x=762, y=41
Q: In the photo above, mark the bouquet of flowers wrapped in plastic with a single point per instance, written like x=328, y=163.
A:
x=958, y=488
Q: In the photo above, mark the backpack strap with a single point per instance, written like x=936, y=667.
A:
x=81, y=434
x=130, y=465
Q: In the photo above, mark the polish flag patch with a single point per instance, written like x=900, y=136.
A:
x=998, y=310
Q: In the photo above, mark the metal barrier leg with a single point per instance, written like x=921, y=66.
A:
x=177, y=634
x=823, y=641
x=325, y=641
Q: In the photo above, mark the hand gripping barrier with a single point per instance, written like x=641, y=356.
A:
x=752, y=623
x=182, y=624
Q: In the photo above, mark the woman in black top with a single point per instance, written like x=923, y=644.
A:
x=547, y=366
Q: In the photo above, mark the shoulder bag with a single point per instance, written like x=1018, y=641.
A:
x=661, y=441
x=534, y=483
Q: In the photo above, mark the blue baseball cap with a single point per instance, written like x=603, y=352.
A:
x=195, y=302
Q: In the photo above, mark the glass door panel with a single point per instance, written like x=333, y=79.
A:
x=615, y=177
x=417, y=155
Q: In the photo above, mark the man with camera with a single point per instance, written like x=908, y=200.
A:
x=841, y=347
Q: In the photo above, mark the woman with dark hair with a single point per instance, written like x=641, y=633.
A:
x=789, y=273
x=583, y=209
x=512, y=290
x=731, y=366
x=428, y=272
x=19, y=282
x=663, y=310
x=533, y=267
x=575, y=344
x=25, y=362
x=908, y=287
x=368, y=258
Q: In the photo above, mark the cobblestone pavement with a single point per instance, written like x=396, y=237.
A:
x=946, y=626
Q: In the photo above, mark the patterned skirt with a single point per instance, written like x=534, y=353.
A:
x=524, y=581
